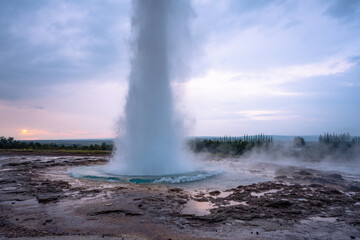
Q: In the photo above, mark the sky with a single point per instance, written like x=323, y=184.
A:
x=278, y=67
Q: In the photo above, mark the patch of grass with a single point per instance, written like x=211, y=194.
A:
x=16, y=150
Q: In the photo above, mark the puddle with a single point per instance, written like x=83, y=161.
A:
x=302, y=200
x=224, y=194
x=324, y=219
x=254, y=194
x=9, y=188
x=234, y=203
x=196, y=208
x=5, y=169
x=319, y=219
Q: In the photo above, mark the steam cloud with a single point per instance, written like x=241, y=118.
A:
x=152, y=143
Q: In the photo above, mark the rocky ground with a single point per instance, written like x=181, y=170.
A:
x=39, y=199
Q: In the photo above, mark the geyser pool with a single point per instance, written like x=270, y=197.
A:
x=98, y=173
x=150, y=148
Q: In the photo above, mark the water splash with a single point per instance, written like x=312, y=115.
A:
x=152, y=143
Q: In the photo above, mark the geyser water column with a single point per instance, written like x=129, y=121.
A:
x=150, y=148
x=151, y=144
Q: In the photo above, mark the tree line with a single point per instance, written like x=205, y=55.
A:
x=335, y=139
x=229, y=145
x=11, y=143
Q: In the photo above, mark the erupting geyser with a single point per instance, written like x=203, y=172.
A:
x=151, y=144
x=150, y=149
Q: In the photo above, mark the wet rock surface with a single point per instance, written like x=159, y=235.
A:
x=39, y=198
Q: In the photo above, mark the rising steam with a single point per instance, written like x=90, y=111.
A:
x=152, y=143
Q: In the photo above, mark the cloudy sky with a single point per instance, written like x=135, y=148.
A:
x=258, y=66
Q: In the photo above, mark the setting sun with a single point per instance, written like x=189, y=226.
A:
x=24, y=132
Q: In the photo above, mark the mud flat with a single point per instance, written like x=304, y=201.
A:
x=39, y=199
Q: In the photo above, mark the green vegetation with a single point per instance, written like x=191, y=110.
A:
x=299, y=141
x=229, y=145
x=10, y=143
x=337, y=147
x=338, y=139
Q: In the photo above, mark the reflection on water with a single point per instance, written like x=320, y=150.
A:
x=254, y=194
x=197, y=208
x=319, y=219
x=224, y=194
x=324, y=219
x=235, y=203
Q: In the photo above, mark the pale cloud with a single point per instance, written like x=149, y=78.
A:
x=228, y=84
x=48, y=24
x=263, y=39
x=47, y=43
x=323, y=68
x=220, y=99
x=264, y=115
x=350, y=84
x=60, y=26
x=288, y=93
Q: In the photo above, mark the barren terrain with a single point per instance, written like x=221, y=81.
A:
x=39, y=199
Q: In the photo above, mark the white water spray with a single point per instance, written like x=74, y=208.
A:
x=152, y=141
